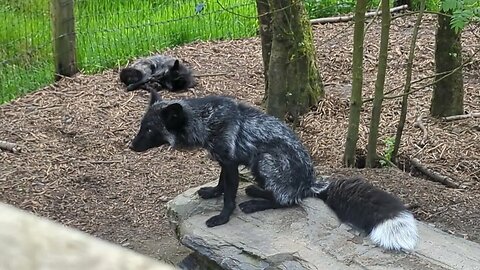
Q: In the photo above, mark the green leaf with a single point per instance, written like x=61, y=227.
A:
x=448, y=5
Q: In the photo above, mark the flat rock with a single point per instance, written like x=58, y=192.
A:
x=303, y=237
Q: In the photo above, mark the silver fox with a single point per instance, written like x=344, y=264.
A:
x=158, y=71
x=237, y=134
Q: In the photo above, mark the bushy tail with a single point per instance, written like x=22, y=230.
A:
x=379, y=214
x=396, y=233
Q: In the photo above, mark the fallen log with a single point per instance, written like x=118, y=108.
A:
x=8, y=146
x=461, y=116
x=350, y=17
x=434, y=176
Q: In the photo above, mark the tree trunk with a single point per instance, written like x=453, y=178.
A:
x=447, y=98
x=357, y=81
x=408, y=81
x=379, y=86
x=264, y=22
x=294, y=82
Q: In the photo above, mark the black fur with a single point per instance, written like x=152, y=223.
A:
x=358, y=203
x=157, y=72
x=236, y=134
x=176, y=78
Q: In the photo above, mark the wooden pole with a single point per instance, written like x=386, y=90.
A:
x=63, y=23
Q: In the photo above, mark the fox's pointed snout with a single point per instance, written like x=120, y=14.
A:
x=132, y=147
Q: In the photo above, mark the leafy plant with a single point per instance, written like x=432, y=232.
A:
x=463, y=11
x=388, y=152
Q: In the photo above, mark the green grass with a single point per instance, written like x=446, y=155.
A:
x=128, y=30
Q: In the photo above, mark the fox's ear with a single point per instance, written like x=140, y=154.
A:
x=173, y=117
x=154, y=96
x=176, y=65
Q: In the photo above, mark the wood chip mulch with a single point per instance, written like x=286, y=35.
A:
x=74, y=166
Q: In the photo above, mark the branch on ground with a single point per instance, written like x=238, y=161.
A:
x=461, y=116
x=419, y=124
x=411, y=13
x=210, y=74
x=434, y=176
x=8, y=146
x=350, y=17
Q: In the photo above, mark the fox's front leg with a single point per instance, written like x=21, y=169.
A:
x=213, y=192
x=230, y=186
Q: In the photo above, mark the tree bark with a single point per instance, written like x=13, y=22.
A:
x=357, y=81
x=294, y=82
x=264, y=22
x=447, y=98
x=408, y=81
x=379, y=86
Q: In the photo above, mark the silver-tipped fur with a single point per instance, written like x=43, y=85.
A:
x=396, y=233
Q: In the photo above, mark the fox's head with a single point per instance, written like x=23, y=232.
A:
x=177, y=77
x=160, y=124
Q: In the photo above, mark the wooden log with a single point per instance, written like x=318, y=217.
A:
x=434, y=176
x=350, y=17
x=63, y=31
x=461, y=116
x=8, y=146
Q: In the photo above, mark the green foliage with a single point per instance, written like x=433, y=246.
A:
x=430, y=5
x=463, y=11
x=388, y=152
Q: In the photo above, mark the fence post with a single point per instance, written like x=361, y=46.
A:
x=63, y=24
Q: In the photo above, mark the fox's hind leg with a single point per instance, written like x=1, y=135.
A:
x=213, y=192
x=256, y=192
x=252, y=206
x=270, y=172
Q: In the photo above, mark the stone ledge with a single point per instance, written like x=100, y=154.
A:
x=30, y=242
x=304, y=237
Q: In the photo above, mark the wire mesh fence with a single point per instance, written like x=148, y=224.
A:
x=108, y=33
x=25, y=47
x=126, y=29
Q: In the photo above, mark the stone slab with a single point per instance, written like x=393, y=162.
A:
x=304, y=237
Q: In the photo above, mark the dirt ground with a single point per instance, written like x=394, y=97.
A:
x=74, y=165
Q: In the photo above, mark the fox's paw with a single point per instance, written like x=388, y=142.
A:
x=209, y=192
x=248, y=207
x=217, y=220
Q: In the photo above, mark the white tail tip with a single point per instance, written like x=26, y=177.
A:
x=397, y=233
